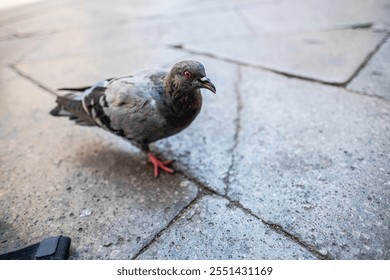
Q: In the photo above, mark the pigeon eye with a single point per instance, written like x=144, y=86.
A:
x=187, y=74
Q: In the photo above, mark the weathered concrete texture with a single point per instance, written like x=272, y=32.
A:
x=374, y=79
x=57, y=178
x=30, y=10
x=213, y=229
x=287, y=16
x=328, y=56
x=314, y=159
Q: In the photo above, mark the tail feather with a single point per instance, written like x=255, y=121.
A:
x=70, y=105
x=79, y=89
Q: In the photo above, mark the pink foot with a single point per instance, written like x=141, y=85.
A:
x=158, y=164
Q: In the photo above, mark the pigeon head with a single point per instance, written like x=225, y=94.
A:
x=190, y=75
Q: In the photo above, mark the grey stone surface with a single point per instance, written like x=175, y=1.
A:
x=374, y=79
x=212, y=229
x=307, y=159
x=57, y=178
x=329, y=56
x=290, y=16
x=62, y=17
x=13, y=50
x=315, y=160
x=211, y=159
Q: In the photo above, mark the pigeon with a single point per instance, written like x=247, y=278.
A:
x=142, y=107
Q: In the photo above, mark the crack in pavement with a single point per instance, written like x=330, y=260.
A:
x=170, y=223
x=365, y=61
x=342, y=85
x=31, y=79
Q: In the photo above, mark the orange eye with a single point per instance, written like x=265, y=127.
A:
x=187, y=74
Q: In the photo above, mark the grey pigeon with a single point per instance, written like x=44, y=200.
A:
x=142, y=107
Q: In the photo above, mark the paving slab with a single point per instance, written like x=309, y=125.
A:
x=103, y=39
x=212, y=229
x=328, y=56
x=310, y=158
x=57, y=178
x=291, y=16
x=168, y=9
x=374, y=79
x=67, y=16
x=314, y=159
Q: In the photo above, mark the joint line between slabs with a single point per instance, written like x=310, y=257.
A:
x=30, y=79
x=289, y=75
x=169, y=225
x=237, y=129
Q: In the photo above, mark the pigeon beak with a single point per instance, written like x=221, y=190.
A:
x=206, y=83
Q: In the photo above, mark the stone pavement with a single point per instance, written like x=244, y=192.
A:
x=289, y=160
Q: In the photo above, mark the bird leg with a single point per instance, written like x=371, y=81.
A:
x=158, y=164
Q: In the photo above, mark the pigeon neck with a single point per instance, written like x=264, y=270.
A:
x=178, y=98
x=181, y=105
x=172, y=90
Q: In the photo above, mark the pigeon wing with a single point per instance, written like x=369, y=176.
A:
x=132, y=106
x=126, y=106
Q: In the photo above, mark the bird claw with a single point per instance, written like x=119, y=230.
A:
x=158, y=164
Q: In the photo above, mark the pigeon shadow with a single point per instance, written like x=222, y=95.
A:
x=120, y=166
